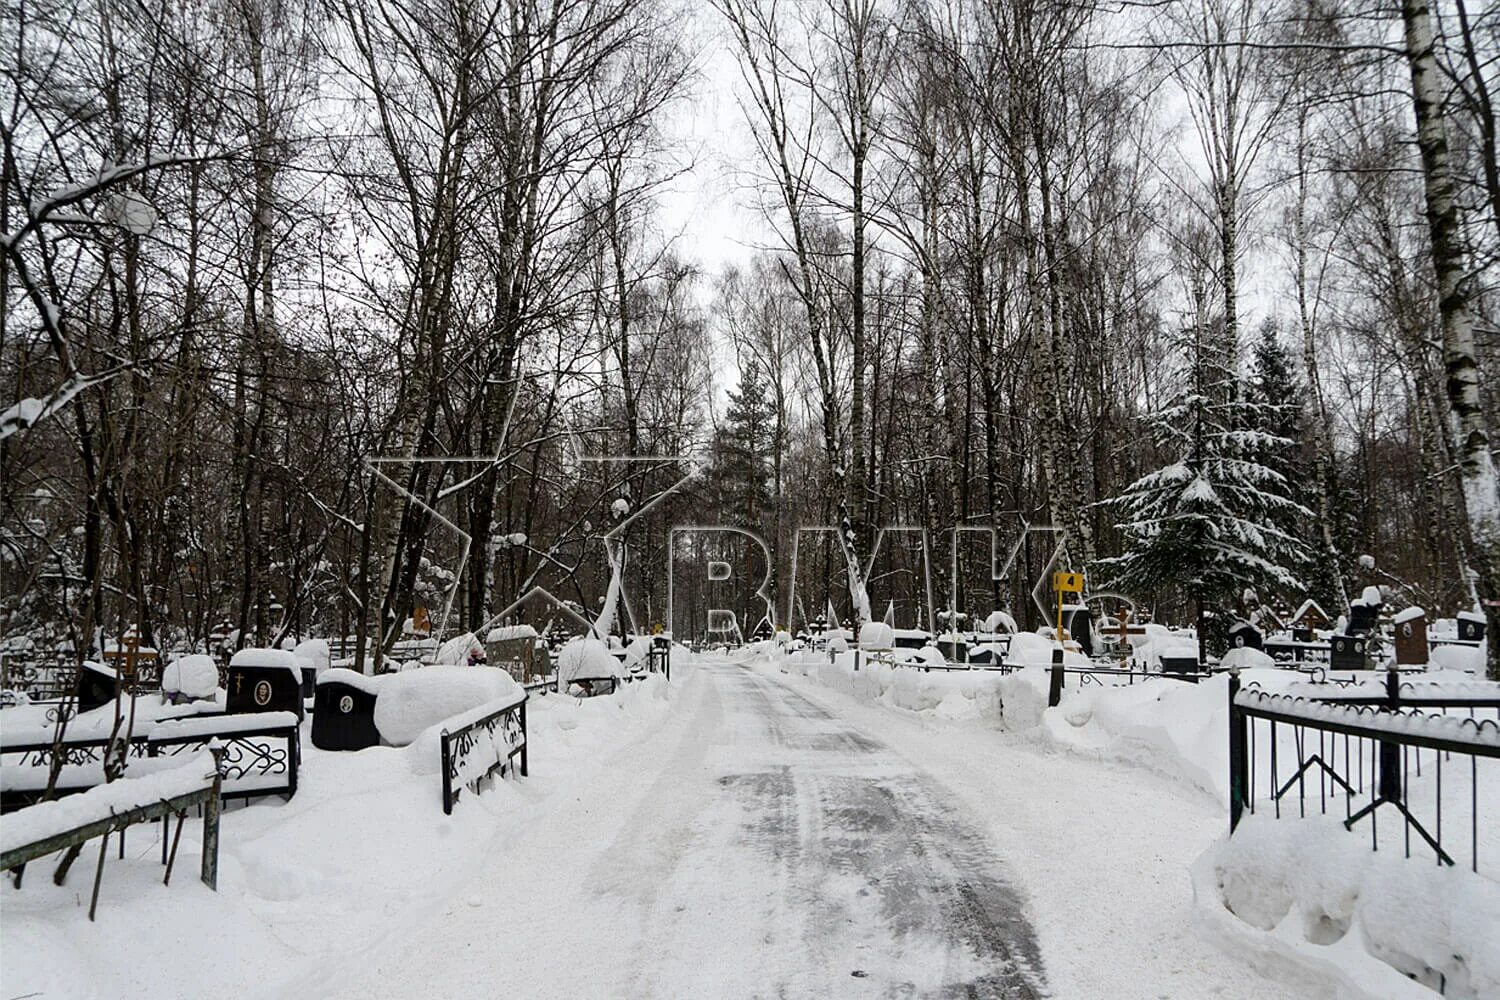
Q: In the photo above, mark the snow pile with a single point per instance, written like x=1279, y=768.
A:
x=460, y=651
x=192, y=676
x=267, y=658
x=876, y=635
x=586, y=658
x=415, y=700
x=1244, y=657
x=221, y=725
x=368, y=683
x=952, y=694
x=315, y=653
x=1000, y=621
x=48, y=819
x=1321, y=895
x=505, y=633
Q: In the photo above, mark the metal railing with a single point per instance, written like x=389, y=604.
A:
x=481, y=742
x=1365, y=753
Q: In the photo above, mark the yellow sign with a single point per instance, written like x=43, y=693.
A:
x=1067, y=583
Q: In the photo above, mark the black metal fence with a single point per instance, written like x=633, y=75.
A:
x=1425, y=757
x=262, y=753
x=480, y=743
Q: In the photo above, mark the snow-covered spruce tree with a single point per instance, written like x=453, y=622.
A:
x=1218, y=517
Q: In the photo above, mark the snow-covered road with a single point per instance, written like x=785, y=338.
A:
x=757, y=845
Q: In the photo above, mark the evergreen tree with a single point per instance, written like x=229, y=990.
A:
x=1220, y=516
x=740, y=472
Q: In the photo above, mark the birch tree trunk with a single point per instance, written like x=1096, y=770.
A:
x=1471, y=442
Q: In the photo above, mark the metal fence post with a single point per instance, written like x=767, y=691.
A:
x=1390, y=753
x=1054, y=690
x=525, y=743
x=1239, y=757
x=447, y=777
x=210, y=870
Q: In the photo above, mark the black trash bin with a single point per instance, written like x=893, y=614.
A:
x=264, y=680
x=344, y=711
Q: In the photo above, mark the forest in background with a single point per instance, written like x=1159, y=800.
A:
x=1210, y=285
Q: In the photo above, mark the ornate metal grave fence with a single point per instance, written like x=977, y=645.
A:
x=261, y=755
x=1427, y=758
x=262, y=751
x=481, y=742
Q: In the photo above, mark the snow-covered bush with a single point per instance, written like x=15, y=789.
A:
x=586, y=657
x=192, y=677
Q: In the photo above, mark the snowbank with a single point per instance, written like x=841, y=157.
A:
x=414, y=700
x=1319, y=895
x=194, y=676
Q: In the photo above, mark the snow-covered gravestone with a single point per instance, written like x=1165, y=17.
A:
x=264, y=680
x=1243, y=635
x=1471, y=626
x=1348, y=652
x=1411, y=637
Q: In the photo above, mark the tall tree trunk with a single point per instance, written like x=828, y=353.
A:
x=1476, y=466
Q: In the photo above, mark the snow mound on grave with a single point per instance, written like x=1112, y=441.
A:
x=193, y=676
x=1000, y=621
x=1030, y=649
x=876, y=635
x=415, y=700
x=1244, y=657
x=272, y=658
x=315, y=653
x=587, y=658
x=1318, y=895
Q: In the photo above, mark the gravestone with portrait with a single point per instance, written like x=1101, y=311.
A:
x=344, y=711
x=1411, y=637
x=264, y=680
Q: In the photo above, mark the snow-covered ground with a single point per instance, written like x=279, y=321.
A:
x=358, y=858
x=1305, y=901
x=779, y=825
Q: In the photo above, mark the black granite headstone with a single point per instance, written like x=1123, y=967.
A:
x=96, y=686
x=1470, y=629
x=264, y=689
x=343, y=717
x=1243, y=635
x=1348, y=652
